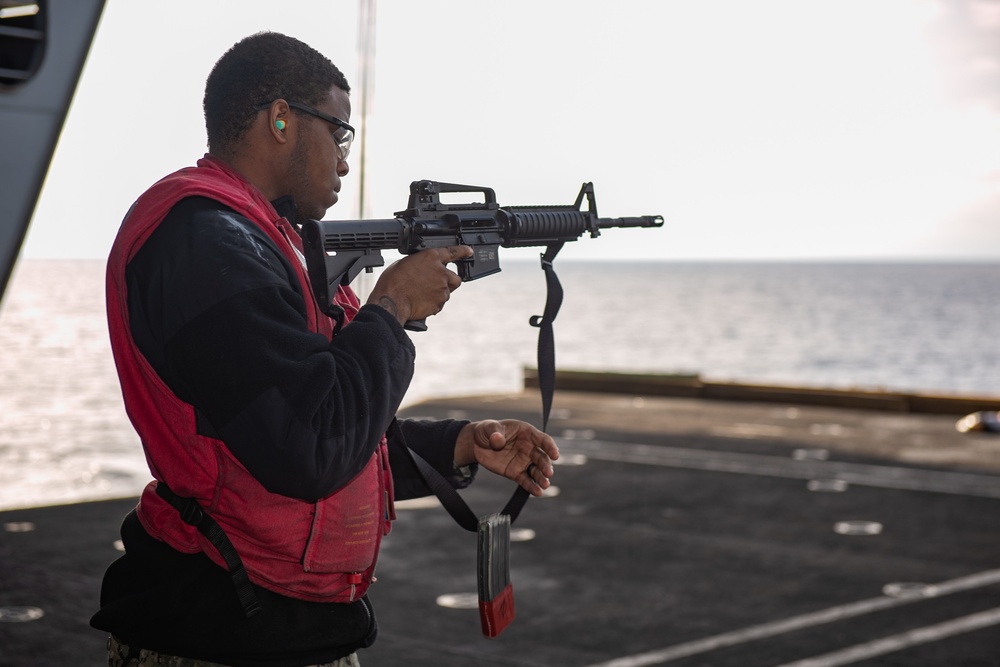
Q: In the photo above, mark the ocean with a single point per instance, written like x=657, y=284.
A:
x=917, y=327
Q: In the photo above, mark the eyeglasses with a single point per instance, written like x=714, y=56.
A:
x=344, y=136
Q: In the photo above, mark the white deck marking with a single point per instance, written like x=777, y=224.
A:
x=890, y=477
x=887, y=477
x=891, y=644
x=840, y=612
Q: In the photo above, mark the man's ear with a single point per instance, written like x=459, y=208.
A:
x=278, y=120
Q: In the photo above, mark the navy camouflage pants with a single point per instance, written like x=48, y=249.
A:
x=118, y=656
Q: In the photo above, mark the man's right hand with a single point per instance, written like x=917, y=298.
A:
x=418, y=285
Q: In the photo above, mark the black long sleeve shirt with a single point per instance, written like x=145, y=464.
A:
x=217, y=311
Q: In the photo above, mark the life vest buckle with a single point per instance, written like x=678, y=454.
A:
x=192, y=514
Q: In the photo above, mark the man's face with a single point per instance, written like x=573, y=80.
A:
x=315, y=167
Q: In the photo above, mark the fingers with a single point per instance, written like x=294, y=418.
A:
x=539, y=465
x=532, y=485
x=419, y=285
x=548, y=445
x=450, y=254
x=445, y=256
x=535, y=479
x=456, y=252
x=541, y=442
x=537, y=451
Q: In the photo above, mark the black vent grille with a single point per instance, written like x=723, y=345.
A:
x=22, y=40
x=360, y=240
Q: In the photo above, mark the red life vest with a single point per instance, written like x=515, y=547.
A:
x=323, y=551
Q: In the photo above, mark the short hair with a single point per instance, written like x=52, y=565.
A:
x=257, y=70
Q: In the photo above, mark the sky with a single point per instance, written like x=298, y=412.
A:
x=760, y=130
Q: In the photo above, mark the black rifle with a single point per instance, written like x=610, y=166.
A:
x=337, y=251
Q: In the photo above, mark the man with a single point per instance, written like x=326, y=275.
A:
x=261, y=418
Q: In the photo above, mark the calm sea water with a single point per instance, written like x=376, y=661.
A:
x=64, y=435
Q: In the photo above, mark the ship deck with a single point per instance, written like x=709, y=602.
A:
x=681, y=531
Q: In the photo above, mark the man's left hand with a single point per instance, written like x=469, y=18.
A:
x=512, y=448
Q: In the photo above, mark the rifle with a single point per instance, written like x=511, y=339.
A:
x=337, y=251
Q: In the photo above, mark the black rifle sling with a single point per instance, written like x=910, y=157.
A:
x=193, y=514
x=546, y=336
x=445, y=492
x=546, y=356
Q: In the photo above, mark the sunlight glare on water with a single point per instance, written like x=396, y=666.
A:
x=64, y=435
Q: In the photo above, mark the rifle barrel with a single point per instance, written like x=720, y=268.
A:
x=638, y=221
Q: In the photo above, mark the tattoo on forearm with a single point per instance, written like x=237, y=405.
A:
x=389, y=305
